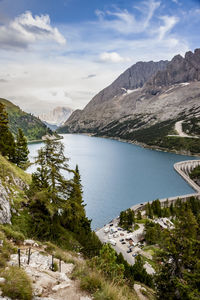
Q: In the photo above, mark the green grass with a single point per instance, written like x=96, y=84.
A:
x=5, y=250
x=9, y=169
x=16, y=236
x=17, y=284
x=142, y=221
x=101, y=288
x=151, y=249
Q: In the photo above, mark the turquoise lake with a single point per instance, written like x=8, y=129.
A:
x=117, y=175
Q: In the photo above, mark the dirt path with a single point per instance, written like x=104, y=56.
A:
x=46, y=283
x=179, y=129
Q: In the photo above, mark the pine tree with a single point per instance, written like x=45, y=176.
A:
x=74, y=217
x=21, y=150
x=7, y=143
x=49, y=176
x=179, y=274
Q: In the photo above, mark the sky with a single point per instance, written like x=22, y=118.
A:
x=63, y=52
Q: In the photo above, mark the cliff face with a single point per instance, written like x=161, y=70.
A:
x=5, y=209
x=12, y=184
x=179, y=70
x=144, y=95
x=131, y=79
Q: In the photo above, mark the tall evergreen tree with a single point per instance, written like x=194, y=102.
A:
x=179, y=274
x=7, y=143
x=49, y=176
x=74, y=216
x=21, y=150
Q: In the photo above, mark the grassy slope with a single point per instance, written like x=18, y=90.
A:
x=33, y=128
x=7, y=168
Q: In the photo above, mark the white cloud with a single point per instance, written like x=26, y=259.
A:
x=169, y=23
x=26, y=29
x=113, y=57
x=65, y=76
x=125, y=22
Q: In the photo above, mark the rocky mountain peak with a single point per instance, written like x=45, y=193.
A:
x=179, y=70
x=57, y=116
x=133, y=78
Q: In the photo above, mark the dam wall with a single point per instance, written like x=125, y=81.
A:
x=183, y=168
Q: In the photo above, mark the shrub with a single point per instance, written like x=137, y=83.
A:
x=79, y=271
x=17, y=285
x=17, y=237
x=55, y=267
x=91, y=283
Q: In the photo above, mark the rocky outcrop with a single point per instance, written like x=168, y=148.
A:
x=5, y=209
x=8, y=190
x=179, y=70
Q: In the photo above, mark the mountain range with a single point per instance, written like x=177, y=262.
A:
x=144, y=103
x=57, y=116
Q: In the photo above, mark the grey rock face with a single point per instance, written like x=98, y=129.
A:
x=131, y=79
x=5, y=210
x=179, y=70
x=151, y=92
x=6, y=197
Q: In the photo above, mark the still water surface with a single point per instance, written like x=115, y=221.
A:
x=117, y=175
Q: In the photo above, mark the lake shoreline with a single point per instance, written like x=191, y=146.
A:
x=143, y=145
x=42, y=140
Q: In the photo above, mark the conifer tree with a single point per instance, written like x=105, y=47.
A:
x=21, y=150
x=179, y=274
x=7, y=143
x=49, y=176
x=74, y=216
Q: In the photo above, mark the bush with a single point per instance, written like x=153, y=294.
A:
x=17, y=285
x=55, y=267
x=91, y=283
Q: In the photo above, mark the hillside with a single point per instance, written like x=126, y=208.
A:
x=147, y=111
x=32, y=127
x=73, y=276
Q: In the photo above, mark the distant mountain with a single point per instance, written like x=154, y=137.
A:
x=57, y=116
x=32, y=127
x=51, y=126
x=144, y=103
